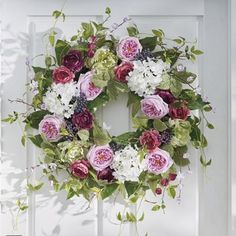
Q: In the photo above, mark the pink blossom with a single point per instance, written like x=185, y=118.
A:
x=50, y=127
x=128, y=48
x=100, y=157
x=158, y=161
x=62, y=75
x=154, y=107
x=87, y=86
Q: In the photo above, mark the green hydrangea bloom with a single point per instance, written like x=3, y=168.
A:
x=181, y=131
x=103, y=60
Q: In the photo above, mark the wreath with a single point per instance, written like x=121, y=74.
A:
x=92, y=69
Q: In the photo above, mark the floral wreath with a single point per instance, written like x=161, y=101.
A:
x=89, y=71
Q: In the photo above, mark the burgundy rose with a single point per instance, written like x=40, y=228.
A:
x=62, y=75
x=166, y=95
x=172, y=176
x=158, y=191
x=105, y=174
x=150, y=139
x=80, y=168
x=179, y=110
x=122, y=71
x=165, y=182
x=73, y=61
x=83, y=120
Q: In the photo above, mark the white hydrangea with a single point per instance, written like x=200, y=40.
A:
x=127, y=165
x=57, y=98
x=146, y=76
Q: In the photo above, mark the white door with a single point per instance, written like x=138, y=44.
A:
x=204, y=210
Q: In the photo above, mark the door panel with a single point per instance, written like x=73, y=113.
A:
x=23, y=26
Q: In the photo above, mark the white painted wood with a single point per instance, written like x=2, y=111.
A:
x=204, y=209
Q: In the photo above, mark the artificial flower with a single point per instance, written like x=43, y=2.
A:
x=154, y=107
x=80, y=168
x=105, y=174
x=122, y=71
x=50, y=127
x=73, y=61
x=100, y=157
x=146, y=76
x=87, y=87
x=166, y=95
x=158, y=161
x=128, y=48
x=83, y=120
x=62, y=75
x=179, y=110
x=150, y=139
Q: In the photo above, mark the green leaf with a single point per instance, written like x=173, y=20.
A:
x=153, y=185
x=108, y=190
x=171, y=191
x=11, y=118
x=178, y=156
x=133, y=98
x=48, y=61
x=185, y=77
x=101, y=100
x=210, y=126
x=204, y=162
x=119, y=217
x=168, y=148
x=158, y=33
x=140, y=122
x=83, y=134
x=36, y=140
x=175, y=87
x=51, y=38
x=159, y=125
x=88, y=30
x=70, y=194
x=61, y=49
x=136, y=108
x=207, y=108
x=141, y=218
x=149, y=42
x=132, y=31
x=197, y=52
x=34, y=118
x=100, y=136
x=126, y=138
x=36, y=187
x=156, y=208
x=131, y=187
x=108, y=10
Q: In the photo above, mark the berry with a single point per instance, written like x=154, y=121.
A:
x=81, y=103
x=164, y=182
x=166, y=137
x=158, y=191
x=70, y=127
x=115, y=146
x=142, y=56
x=172, y=176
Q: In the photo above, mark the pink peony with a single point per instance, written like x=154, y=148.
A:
x=50, y=127
x=73, y=61
x=80, y=168
x=150, y=139
x=122, y=71
x=128, y=48
x=62, y=75
x=154, y=107
x=87, y=87
x=179, y=110
x=158, y=162
x=100, y=157
x=83, y=120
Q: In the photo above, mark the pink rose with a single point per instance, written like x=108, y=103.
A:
x=62, y=75
x=50, y=127
x=158, y=162
x=150, y=139
x=83, y=120
x=80, y=168
x=128, y=48
x=100, y=157
x=87, y=87
x=122, y=71
x=179, y=110
x=154, y=107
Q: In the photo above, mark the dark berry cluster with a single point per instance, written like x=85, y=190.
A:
x=144, y=54
x=166, y=136
x=81, y=103
x=115, y=146
x=71, y=127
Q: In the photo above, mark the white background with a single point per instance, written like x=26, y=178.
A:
x=206, y=208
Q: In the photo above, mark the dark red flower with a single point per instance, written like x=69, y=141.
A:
x=105, y=174
x=62, y=75
x=166, y=95
x=179, y=110
x=80, y=168
x=165, y=182
x=83, y=120
x=158, y=191
x=150, y=139
x=172, y=176
x=122, y=71
x=73, y=61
